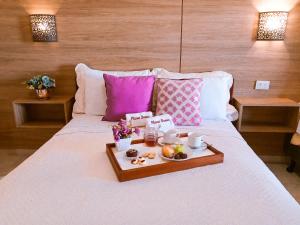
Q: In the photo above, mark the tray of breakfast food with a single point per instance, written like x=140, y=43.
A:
x=144, y=160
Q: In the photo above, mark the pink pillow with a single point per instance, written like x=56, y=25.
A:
x=180, y=99
x=132, y=94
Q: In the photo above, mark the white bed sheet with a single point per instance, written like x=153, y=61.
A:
x=69, y=180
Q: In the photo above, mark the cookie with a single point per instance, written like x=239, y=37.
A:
x=146, y=154
x=151, y=155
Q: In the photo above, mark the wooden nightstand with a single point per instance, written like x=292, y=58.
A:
x=34, y=113
x=267, y=123
x=278, y=115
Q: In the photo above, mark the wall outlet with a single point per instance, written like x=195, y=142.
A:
x=262, y=85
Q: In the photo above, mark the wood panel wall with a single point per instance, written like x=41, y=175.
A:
x=138, y=34
x=109, y=35
x=220, y=35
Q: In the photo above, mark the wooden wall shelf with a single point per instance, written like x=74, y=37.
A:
x=34, y=113
x=276, y=115
x=267, y=124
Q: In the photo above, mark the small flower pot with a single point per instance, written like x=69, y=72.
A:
x=42, y=94
x=123, y=144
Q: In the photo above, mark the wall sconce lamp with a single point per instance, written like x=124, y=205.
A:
x=43, y=27
x=272, y=25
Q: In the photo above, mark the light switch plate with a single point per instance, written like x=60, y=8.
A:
x=262, y=85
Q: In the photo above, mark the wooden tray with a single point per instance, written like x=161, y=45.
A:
x=166, y=167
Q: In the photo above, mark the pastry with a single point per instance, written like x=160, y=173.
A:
x=180, y=155
x=177, y=156
x=132, y=153
x=134, y=161
x=139, y=161
x=168, y=151
x=183, y=156
x=142, y=161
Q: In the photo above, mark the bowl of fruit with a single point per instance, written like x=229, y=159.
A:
x=175, y=152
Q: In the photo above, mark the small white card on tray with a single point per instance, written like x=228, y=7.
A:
x=162, y=122
x=138, y=119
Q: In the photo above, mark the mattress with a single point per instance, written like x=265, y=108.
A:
x=70, y=180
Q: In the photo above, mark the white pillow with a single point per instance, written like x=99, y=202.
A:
x=163, y=73
x=231, y=113
x=90, y=97
x=215, y=94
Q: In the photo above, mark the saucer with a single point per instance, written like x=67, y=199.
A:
x=160, y=141
x=202, y=147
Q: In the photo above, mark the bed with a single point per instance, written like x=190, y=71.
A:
x=70, y=180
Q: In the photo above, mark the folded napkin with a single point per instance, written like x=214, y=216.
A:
x=163, y=122
x=138, y=119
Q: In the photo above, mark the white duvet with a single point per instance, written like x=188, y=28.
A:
x=69, y=181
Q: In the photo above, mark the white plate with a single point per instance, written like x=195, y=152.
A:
x=188, y=152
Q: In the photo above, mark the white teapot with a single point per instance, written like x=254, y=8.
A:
x=171, y=136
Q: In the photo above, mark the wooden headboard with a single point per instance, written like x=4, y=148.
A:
x=231, y=91
x=130, y=35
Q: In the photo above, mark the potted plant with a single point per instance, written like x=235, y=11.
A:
x=122, y=135
x=41, y=84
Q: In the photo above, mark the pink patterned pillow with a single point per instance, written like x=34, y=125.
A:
x=180, y=99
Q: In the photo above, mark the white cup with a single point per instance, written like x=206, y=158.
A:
x=170, y=136
x=195, y=140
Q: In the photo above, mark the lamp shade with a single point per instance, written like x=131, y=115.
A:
x=43, y=27
x=272, y=25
